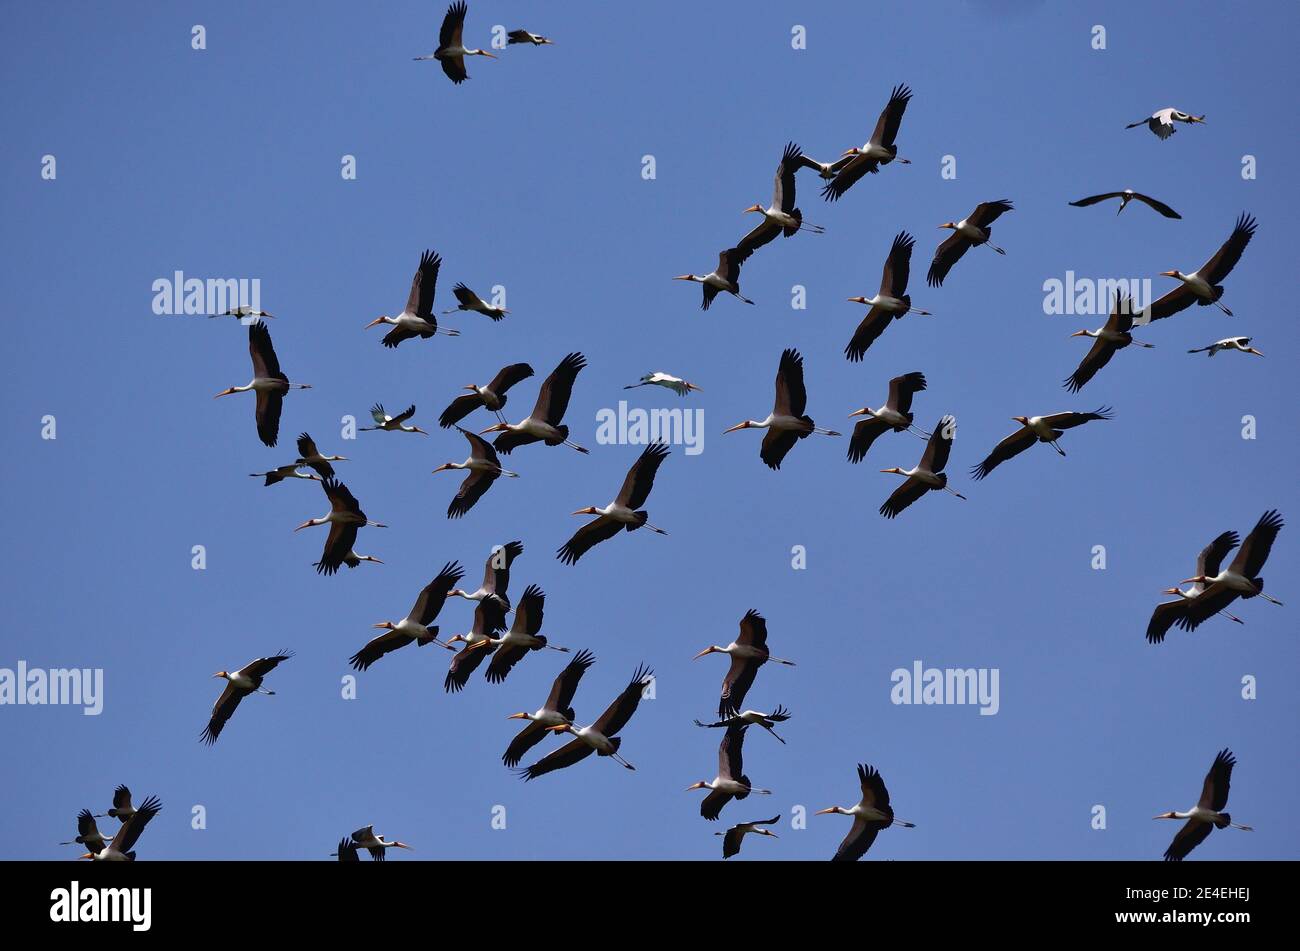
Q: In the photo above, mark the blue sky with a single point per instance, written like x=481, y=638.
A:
x=225, y=163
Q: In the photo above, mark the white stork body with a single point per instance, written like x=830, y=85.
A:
x=1240, y=344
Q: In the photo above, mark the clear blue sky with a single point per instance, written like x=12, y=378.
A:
x=225, y=163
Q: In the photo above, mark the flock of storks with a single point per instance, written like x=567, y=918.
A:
x=502, y=644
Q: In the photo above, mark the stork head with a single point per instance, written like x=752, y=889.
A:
x=381, y=319
x=589, y=510
x=369, y=558
x=482, y=53
x=417, y=429
x=223, y=674
x=495, y=428
x=226, y=392
x=753, y=208
x=1171, y=591
x=563, y=728
x=1082, y=333
x=1174, y=273
x=858, y=300
x=86, y=855
x=745, y=425
x=761, y=831
x=851, y=150
x=308, y=524
x=687, y=277
x=1022, y=420
x=1199, y=579
x=700, y=785
x=386, y=625
x=865, y=411
x=520, y=716
x=711, y=649
x=1166, y=815
x=895, y=471
x=445, y=466
x=838, y=810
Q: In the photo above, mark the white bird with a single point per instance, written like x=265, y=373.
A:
x=624, y=513
x=895, y=415
x=781, y=217
x=725, y=277
x=543, y=423
x=927, y=475
x=392, y=424
x=239, y=684
x=243, y=311
x=870, y=815
x=451, y=51
x=496, y=576
x=121, y=849
x=523, y=36
x=972, y=231
x=879, y=149
x=269, y=383
x=731, y=781
x=1161, y=122
x=752, y=717
x=599, y=738
x=732, y=838
x=376, y=845
x=1241, y=344
x=1204, y=285
x=471, y=301
x=416, y=318
x=417, y=627
x=667, y=381
x=787, y=423
x=1208, y=813
x=484, y=468
x=890, y=303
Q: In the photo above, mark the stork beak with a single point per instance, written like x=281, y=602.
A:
x=753, y=208
x=772, y=834
x=417, y=429
x=558, y=728
x=1168, y=273
x=744, y=425
x=377, y=320
x=823, y=812
x=682, y=277
x=445, y=465
x=380, y=624
x=225, y=392
x=86, y=855
x=487, y=54
x=853, y=150
x=403, y=845
x=495, y=428
x=1079, y=333
x=517, y=716
x=694, y=786
x=306, y=524
x=857, y=300
x=707, y=650
x=1255, y=352
x=470, y=386
x=1198, y=118
x=375, y=560
x=218, y=673
x=860, y=412
x=1169, y=591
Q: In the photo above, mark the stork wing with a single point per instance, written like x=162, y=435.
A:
x=791, y=396
x=508, y=376
x=222, y=711
x=859, y=839
x=987, y=212
x=267, y=414
x=420, y=300
x=903, y=388
x=463, y=664
x=1012, y=445
x=776, y=444
x=404, y=415
x=496, y=573
x=872, y=326
x=1163, y=618
x=471, y=490
x=121, y=798
x=740, y=677
x=553, y=400
x=903, y=496
x=945, y=256
x=898, y=266
x=1192, y=834
x=524, y=740
x=454, y=67
x=264, y=665
x=1159, y=206
x=452, y=24
x=620, y=711
x=1214, y=792
x=458, y=409
x=566, y=684
x=753, y=630
x=1212, y=555
x=434, y=594
x=1226, y=258
x=1071, y=420
x=127, y=836
x=377, y=647
x=511, y=440
x=575, y=751
x=466, y=297
x=763, y=233
x=528, y=616
x=266, y=365
x=307, y=447
x=1094, y=199
x=731, y=764
x=874, y=793
x=1255, y=549
x=641, y=477
x=864, y=434
x=891, y=117
x=337, y=545
x=1098, y=356
x=855, y=168
x=711, y=805
x=503, y=661
x=783, y=194
x=587, y=537
x=1180, y=298
x=937, y=449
